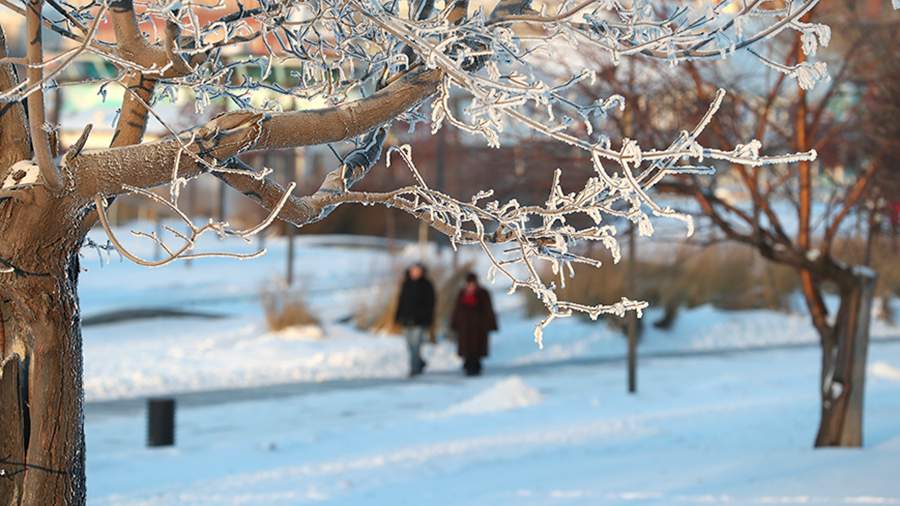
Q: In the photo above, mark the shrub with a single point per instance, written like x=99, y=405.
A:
x=883, y=257
x=375, y=312
x=285, y=308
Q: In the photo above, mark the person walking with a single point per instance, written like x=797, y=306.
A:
x=473, y=318
x=415, y=313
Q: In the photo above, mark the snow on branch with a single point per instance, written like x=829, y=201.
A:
x=189, y=239
x=500, y=62
x=544, y=233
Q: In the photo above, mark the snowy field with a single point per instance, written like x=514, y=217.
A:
x=726, y=412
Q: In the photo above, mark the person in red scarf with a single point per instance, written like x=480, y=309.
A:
x=473, y=318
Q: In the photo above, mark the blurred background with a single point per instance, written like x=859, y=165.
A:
x=290, y=374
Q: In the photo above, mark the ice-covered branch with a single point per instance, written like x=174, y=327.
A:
x=368, y=63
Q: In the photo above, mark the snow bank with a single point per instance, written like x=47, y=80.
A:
x=150, y=357
x=300, y=333
x=511, y=393
x=884, y=370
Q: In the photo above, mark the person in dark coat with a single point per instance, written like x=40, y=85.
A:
x=415, y=313
x=473, y=318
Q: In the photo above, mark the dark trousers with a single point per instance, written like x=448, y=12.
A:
x=472, y=366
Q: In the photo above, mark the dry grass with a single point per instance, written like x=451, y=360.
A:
x=727, y=276
x=285, y=308
x=375, y=313
x=885, y=260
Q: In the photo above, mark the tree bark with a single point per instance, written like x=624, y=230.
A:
x=42, y=426
x=844, y=364
x=12, y=435
x=55, y=472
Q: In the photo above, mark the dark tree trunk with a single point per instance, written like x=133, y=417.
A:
x=844, y=364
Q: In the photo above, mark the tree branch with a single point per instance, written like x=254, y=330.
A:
x=39, y=138
x=132, y=121
x=856, y=192
x=334, y=191
x=132, y=46
x=13, y=123
x=108, y=172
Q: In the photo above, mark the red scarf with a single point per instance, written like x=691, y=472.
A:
x=470, y=298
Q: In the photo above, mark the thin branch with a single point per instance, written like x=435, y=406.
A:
x=36, y=117
x=854, y=194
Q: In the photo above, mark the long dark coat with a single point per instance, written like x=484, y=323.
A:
x=472, y=324
x=415, y=308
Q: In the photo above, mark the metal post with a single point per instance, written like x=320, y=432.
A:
x=440, y=176
x=423, y=240
x=190, y=193
x=291, y=232
x=222, y=197
x=160, y=422
x=295, y=162
x=157, y=225
x=632, y=316
x=631, y=282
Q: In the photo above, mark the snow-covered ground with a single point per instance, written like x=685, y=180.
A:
x=294, y=417
x=150, y=357
x=733, y=429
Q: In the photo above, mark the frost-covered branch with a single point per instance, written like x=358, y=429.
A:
x=357, y=66
x=537, y=233
x=186, y=250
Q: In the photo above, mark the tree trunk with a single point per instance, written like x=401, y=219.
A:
x=844, y=364
x=41, y=396
x=41, y=391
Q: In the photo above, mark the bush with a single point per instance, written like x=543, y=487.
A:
x=285, y=308
x=375, y=313
x=883, y=259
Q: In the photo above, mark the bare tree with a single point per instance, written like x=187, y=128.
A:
x=785, y=221
x=794, y=215
x=371, y=64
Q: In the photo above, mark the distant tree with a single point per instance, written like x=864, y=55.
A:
x=785, y=219
x=364, y=65
x=847, y=122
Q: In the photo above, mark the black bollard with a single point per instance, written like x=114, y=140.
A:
x=160, y=422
